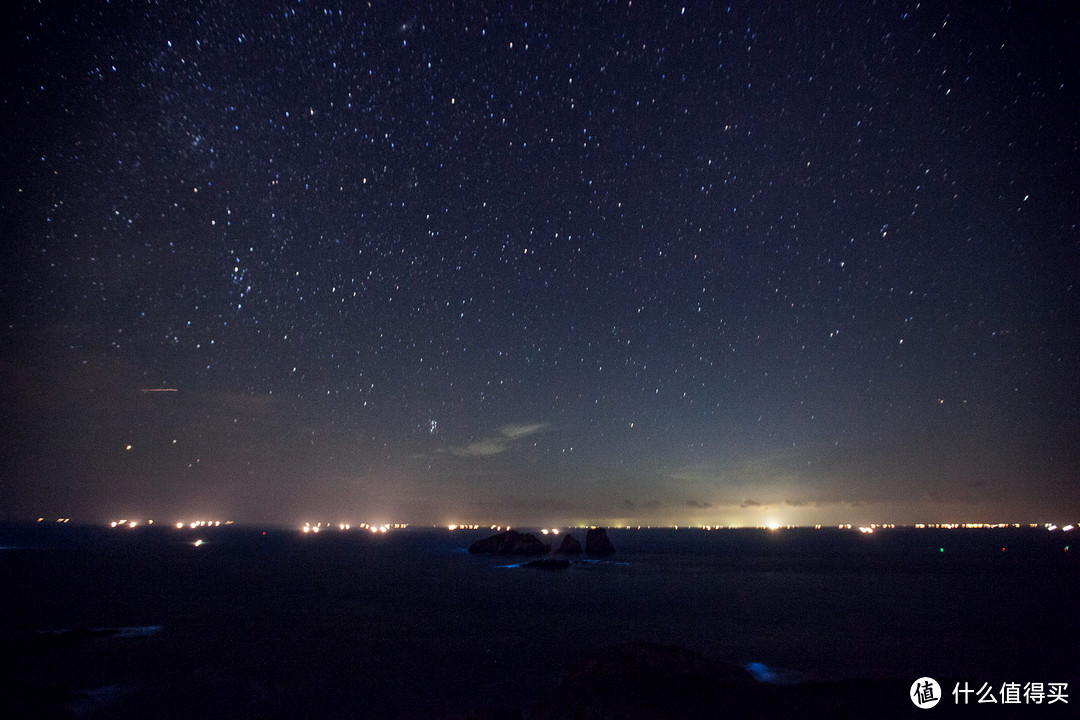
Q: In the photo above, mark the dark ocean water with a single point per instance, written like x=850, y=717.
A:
x=108, y=623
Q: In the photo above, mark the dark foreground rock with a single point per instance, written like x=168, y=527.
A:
x=597, y=543
x=569, y=546
x=644, y=681
x=511, y=542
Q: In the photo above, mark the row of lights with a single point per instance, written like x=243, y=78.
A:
x=974, y=526
x=382, y=528
x=308, y=527
x=124, y=522
x=192, y=524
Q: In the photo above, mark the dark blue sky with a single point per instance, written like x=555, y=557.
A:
x=638, y=263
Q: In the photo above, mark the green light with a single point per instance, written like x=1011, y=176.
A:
x=941, y=549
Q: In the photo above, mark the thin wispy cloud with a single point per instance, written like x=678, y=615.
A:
x=506, y=438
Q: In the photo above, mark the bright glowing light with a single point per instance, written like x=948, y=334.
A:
x=197, y=543
x=544, y=531
x=555, y=531
x=1067, y=528
x=773, y=525
x=112, y=524
x=132, y=524
x=451, y=527
x=179, y=525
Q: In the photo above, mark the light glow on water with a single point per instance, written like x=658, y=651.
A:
x=761, y=672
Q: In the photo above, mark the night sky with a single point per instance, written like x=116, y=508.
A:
x=550, y=263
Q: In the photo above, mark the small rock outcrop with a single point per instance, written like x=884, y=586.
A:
x=569, y=546
x=597, y=543
x=511, y=542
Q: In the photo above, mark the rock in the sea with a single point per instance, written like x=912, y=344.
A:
x=597, y=543
x=511, y=542
x=569, y=546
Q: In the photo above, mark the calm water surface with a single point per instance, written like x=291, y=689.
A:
x=408, y=624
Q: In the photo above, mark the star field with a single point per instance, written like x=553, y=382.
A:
x=570, y=262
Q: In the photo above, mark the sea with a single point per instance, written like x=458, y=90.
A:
x=246, y=622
